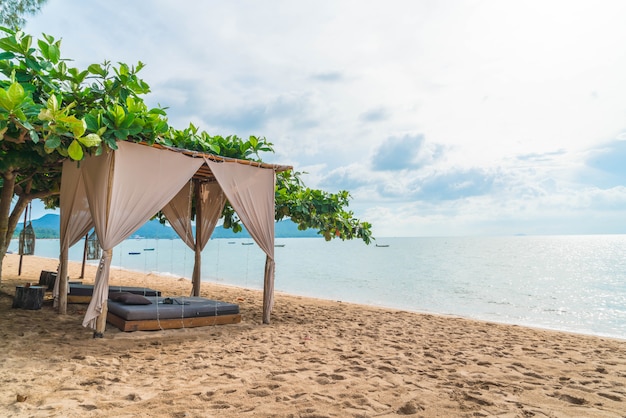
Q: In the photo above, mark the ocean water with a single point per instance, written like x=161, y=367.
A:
x=569, y=283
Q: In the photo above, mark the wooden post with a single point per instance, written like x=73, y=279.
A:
x=62, y=278
x=268, y=291
x=197, y=265
x=82, y=270
x=101, y=322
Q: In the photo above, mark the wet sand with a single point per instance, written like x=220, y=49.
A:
x=316, y=359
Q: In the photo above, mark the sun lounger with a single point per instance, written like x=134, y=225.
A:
x=81, y=293
x=168, y=313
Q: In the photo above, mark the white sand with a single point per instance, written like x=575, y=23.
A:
x=316, y=359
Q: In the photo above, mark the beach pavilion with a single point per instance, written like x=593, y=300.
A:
x=118, y=191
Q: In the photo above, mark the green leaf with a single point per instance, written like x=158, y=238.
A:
x=62, y=68
x=44, y=48
x=48, y=38
x=34, y=136
x=253, y=141
x=97, y=70
x=118, y=115
x=77, y=126
x=14, y=96
x=7, y=55
x=45, y=114
x=75, y=151
x=90, y=140
x=55, y=53
x=92, y=122
x=53, y=142
x=53, y=104
x=5, y=102
x=26, y=42
x=62, y=151
x=9, y=44
x=158, y=111
x=33, y=64
x=111, y=142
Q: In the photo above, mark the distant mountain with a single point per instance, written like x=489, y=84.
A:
x=50, y=220
x=282, y=229
x=45, y=227
x=48, y=227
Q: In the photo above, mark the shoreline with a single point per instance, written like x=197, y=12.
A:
x=173, y=276
x=317, y=358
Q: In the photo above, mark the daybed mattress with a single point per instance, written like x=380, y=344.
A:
x=87, y=290
x=181, y=307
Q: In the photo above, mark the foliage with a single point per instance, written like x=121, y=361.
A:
x=311, y=208
x=50, y=111
x=12, y=12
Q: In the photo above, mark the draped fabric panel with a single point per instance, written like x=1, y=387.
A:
x=209, y=206
x=212, y=199
x=75, y=218
x=178, y=214
x=250, y=190
x=125, y=188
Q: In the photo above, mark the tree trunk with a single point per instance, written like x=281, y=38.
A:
x=6, y=195
x=10, y=218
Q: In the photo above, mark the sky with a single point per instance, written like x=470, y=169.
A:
x=442, y=118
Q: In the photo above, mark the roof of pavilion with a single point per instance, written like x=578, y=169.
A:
x=204, y=172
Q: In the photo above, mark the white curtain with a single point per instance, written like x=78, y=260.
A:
x=125, y=188
x=210, y=201
x=250, y=190
x=75, y=220
x=178, y=214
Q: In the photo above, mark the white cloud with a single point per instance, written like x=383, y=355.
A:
x=513, y=101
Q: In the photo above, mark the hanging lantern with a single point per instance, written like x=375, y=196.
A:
x=93, y=247
x=27, y=240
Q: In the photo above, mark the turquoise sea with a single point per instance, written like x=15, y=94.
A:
x=569, y=283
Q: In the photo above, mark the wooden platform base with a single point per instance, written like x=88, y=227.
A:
x=154, y=324
x=78, y=299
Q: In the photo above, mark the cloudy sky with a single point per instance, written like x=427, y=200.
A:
x=440, y=117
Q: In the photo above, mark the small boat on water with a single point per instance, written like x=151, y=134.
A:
x=247, y=243
x=148, y=249
x=382, y=245
x=279, y=245
x=231, y=242
x=134, y=253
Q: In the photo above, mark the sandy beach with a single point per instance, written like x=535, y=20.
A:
x=316, y=359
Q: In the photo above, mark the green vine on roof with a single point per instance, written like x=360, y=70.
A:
x=85, y=111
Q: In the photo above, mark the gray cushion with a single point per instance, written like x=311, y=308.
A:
x=129, y=298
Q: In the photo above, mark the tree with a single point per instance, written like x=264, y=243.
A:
x=12, y=12
x=50, y=112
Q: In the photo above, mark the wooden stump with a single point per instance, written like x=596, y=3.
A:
x=28, y=297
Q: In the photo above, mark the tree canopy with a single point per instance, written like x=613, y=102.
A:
x=12, y=12
x=50, y=111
